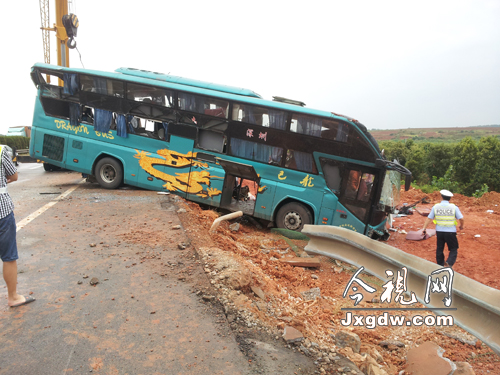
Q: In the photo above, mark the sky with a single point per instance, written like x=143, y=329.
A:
x=389, y=64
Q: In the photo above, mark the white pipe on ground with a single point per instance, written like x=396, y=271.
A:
x=217, y=221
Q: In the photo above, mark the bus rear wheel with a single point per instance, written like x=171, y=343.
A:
x=109, y=173
x=293, y=216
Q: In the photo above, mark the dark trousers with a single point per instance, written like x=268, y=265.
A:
x=450, y=239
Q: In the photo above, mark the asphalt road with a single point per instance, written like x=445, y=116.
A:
x=146, y=314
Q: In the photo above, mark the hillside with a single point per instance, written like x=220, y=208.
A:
x=447, y=135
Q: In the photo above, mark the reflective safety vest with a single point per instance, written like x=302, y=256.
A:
x=444, y=216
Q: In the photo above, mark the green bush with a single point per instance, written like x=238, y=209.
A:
x=479, y=192
x=426, y=188
x=446, y=182
x=16, y=142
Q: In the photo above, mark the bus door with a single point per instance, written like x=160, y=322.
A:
x=237, y=192
x=333, y=180
x=354, y=187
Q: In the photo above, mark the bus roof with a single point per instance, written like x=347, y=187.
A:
x=188, y=82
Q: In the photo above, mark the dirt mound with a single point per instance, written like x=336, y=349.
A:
x=490, y=199
x=413, y=195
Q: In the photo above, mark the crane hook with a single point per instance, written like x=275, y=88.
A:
x=71, y=43
x=71, y=23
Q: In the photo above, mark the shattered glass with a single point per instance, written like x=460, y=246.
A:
x=391, y=189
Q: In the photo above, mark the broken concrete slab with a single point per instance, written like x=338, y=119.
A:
x=428, y=359
x=302, y=262
x=292, y=335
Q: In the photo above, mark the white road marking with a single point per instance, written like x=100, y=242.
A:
x=36, y=166
x=40, y=211
x=69, y=359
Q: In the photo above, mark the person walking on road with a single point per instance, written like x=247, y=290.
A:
x=445, y=216
x=8, y=244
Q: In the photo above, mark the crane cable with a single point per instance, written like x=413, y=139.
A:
x=83, y=66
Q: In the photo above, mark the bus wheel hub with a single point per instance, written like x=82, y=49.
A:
x=108, y=174
x=293, y=220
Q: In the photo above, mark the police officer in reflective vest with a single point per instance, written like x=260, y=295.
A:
x=445, y=216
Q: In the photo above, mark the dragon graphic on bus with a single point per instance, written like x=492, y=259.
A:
x=191, y=182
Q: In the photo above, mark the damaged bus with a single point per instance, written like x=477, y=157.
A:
x=218, y=145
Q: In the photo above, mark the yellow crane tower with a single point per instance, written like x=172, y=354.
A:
x=66, y=27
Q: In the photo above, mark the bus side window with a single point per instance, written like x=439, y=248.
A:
x=261, y=116
x=256, y=151
x=332, y=176
x=211, y=141
x=204, y=105
x=307, y=125
x=157, y=96
x=301, y=161
x=88, y=115
x=100, y=85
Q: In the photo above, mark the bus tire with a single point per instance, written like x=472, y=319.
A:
x=50, y=168
x=109, y=173
x=293, y=216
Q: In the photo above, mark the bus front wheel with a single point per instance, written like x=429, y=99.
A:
x=109, y=173
x=293, y=216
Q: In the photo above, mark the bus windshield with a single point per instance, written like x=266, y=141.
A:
x=391, y=189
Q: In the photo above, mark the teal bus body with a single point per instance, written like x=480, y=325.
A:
x=207, y=140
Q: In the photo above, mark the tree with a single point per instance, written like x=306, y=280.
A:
x=416, y=163
x=439, y=158
x=465, y=161
x=488, y=164
x=395, y=150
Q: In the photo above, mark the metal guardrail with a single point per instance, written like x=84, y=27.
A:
x=477, y=305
